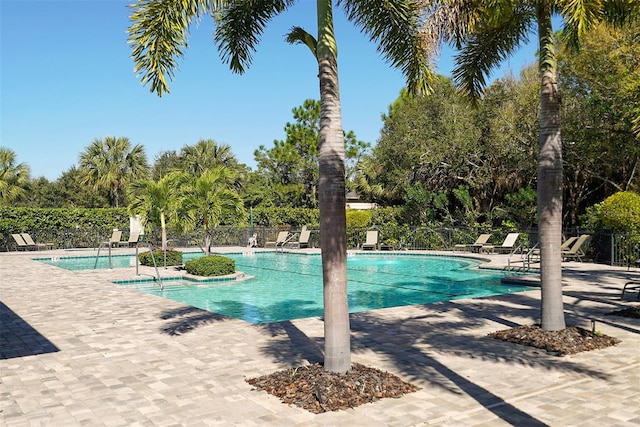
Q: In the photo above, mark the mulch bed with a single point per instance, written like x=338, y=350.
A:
x=312, y=388
x=570, y=340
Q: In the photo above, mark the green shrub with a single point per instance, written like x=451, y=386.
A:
x=621, y=211
x=173, y=258
x=211, y=266
x=358, y=219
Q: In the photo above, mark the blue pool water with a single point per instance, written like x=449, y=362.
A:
x=89, y=262
x=289, y=286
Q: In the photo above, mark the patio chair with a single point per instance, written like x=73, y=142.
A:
x=567, y=243
x=303, y=240
x=29, y=241
x=506, y=246
x=21, y=245
x=114, y=240
x=634, y=285
x=576, y=252
x=474, y=247
x=280, y=240
x=134, y=237
x=371, y=241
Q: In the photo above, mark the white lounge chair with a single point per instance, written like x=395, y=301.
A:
x=280, y=240
x=134, y=237
x=474, y=247
x=506, y=246
x=303, y=240
x=575, y=251
x=371, y=241
x=114, y=240
x=21, y=245
x=29, y=241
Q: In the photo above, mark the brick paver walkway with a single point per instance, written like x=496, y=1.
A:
x=77, y=350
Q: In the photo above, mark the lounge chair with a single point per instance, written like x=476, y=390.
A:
x=303, y=240
x=29, y=241
x=21, y=244
x=114, y=240
x=371, y=241
x=634, y=285
x=134, y=237
x=280, y=240
x=506, y=246
x=567, y=243
x=474, y=247
x=576, y=252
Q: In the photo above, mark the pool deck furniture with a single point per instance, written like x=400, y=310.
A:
x=371, y=241
x=505, y=247
x=303, y=240
x=134, y=237
x=576, y=252
x=567, y=243
x=114, y=241
x=21, y=245
x=473, y=247
x=283, y=236
x=29, y=241
x=634, y=285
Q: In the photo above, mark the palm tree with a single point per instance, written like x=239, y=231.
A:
x=206, y=154
x=155, y=202
x=491, y=31
x=206, y=200
x=158, y=36
x=110, y=165
x=13, y=177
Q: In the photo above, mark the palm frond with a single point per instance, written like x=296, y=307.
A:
x=158, y=36
x=449, y=21
x=239, y=27
x=504, y=32
x=395, y=25
x=300, y=36
x=579, y=17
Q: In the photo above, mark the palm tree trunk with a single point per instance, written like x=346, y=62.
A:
x=332, y=201
x=163, y=228
x=549, y=181
x=207, y=243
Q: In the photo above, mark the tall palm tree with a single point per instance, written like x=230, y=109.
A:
x=13, y=177
x=158, y=36
x=111, y=164
x=206, y=154
x=155, y=202
x=206, y=200
x=487, y=32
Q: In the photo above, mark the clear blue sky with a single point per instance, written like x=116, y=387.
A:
x=67, y=78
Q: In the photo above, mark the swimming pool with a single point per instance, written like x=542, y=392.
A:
x=90, y=262
x=289, y=286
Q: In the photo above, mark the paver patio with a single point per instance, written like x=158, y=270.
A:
x=79, y=350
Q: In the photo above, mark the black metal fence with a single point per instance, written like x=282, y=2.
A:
x=604, y=247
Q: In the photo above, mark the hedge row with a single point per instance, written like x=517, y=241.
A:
x=13, y=220
x=27, y=219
